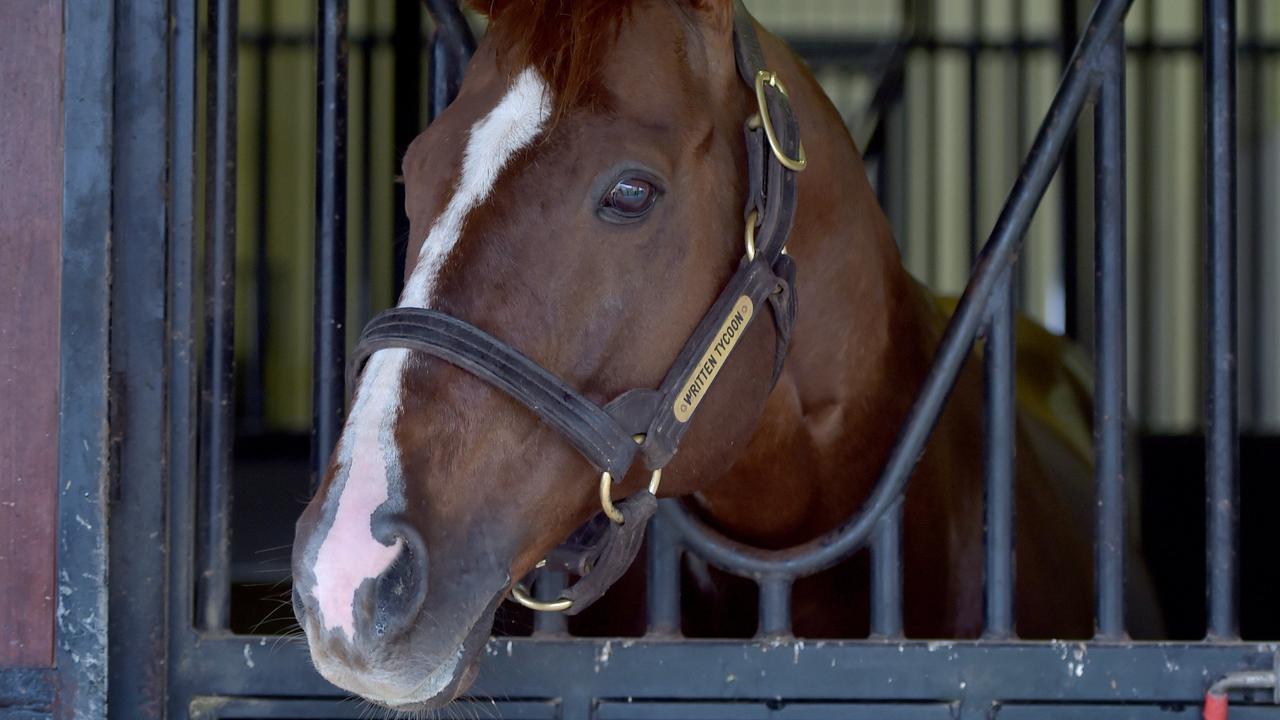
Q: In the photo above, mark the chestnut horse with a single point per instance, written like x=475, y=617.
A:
x=582, y=200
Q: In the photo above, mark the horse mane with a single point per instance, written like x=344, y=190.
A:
x=566, y=41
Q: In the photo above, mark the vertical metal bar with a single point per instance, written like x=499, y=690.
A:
x=255, y=372
x=407, y=121
x=775, y=607
x=933, y=178
x=181, y=376
x=999, y=459
x=1266, y=268
x=547, y=588
x=80, y=652
x=972, y=111
x=1020, y=50
x=1109, y=336
x=1069, y=17
x=217, y=427
x=327, y=391
x=364, y=301
x=896, y=158
x=1255, y=328
x=452, y=46
x=1145, y=354
x=1020, y=278
x=886, y=575
x=663, y=586
x=1222, y=438
x=138, y=606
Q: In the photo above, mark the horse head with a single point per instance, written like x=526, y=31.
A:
x=581, y=200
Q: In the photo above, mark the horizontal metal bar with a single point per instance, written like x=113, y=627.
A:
x=222, y=708
x=645, y=668
x=850, y=51
x=28, y=690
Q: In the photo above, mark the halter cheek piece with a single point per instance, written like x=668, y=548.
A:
x=644, y=422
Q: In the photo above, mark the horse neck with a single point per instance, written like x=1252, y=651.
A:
x=864, y=336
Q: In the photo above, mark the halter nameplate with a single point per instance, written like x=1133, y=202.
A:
x=695, y=388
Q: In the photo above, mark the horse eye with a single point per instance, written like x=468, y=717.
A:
x=631, y=198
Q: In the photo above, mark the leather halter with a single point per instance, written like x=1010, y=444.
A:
x=645, y=422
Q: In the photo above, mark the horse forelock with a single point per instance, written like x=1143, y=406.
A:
x=566, y=41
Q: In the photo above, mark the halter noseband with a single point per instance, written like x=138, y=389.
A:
x=645, y=422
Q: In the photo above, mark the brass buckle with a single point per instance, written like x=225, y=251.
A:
x=770, y=78
x=752, y=219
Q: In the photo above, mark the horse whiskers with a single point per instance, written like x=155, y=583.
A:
x=271, y=616
x=280, y=639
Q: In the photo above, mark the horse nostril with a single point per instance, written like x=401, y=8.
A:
x=400, y=591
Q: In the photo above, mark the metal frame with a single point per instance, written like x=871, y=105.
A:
x=80, y=655
x=198, y=668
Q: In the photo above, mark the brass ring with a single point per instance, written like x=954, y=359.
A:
x=768, y=77
x=751, y=234
x=606, y=499
x=521, y=595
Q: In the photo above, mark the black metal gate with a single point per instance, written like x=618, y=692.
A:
x=172, y=650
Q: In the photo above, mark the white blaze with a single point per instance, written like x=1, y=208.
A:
x=349, y=553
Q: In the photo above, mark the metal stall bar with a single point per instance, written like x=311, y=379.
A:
x=548, y=587
x=662, y=584
x=182, y=378
x=368, y=48
x=80, y=652
x=452, y=46
x=407, y=121
x=886, y=575
x=1109, y=337
x=973, y=58
x=217, y=399
x=327, y=390
x=138, y=606
x=991, y=270
x=1068, y=19
x=1222, y=449
x=997, y=255
x=775, y=606
x=255, y=381
x=1000, y=411
x=1255, y=329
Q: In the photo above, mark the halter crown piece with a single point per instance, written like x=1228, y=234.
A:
x=644, y=422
